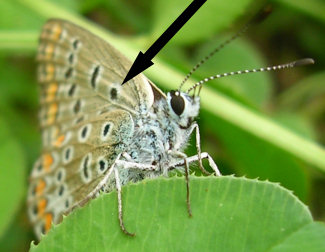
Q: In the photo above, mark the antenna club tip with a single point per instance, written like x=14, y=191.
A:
x=302, y=62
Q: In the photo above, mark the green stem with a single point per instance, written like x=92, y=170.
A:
x=18, y=40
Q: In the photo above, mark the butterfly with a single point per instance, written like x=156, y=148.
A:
x=98, y=135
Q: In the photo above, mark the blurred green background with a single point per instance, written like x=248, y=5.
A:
x=293, y=99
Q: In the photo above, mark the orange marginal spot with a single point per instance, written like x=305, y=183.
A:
x=53, y=87
x=47, y=162
x=40, y=187
x=49, y=51
x=50, y=68
x=56, y=32
x=41, y=205
x=48, y=217
x=59, y=141
x=51, y=92
x=51, y=114
x=49, y=71
x=53, y=109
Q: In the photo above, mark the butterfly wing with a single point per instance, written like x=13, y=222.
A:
x=86, y=115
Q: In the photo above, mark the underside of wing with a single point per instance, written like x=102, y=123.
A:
x=80, y=74
x=73, y=171
x=86, y=117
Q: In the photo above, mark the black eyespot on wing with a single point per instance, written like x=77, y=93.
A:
x=85, y=167
x=75, y=44
x=106, y=129
x=40, y=167
x=113, y=93
x=71, y=58
x=84, y=132
x=35, y=210
x=94, y=76
x=72, y=90
x=43, y=229
x=34, y=190
x=67, y=154
x=61, y=190
x=177, y=102
x=68, y=73
x=77, y=106
x=101, y=165
x=59, y=176
x=80, y=119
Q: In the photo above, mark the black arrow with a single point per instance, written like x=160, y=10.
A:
x=143, y=60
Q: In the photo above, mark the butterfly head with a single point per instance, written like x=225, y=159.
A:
x=183, y=107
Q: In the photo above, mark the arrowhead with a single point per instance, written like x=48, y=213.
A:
x=141, y=63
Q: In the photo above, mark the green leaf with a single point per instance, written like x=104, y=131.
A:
x=311, y=237
x=229, y=214
x=12, y=179
x=306, y=96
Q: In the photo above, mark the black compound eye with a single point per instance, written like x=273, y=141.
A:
x=177, y=102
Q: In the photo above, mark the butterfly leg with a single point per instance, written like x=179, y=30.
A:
x=212, y=164
x=188, y=202
x=185, y=163
x=134, y=165
x=127, y=165
x=195, y=158
x=198, y=147
x=119, y=200
x=186, y=167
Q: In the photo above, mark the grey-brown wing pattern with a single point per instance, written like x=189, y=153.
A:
x=85, y=114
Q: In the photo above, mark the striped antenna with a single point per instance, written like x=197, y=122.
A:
x=301, y=62
x=258, y=18
x=217, y=49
